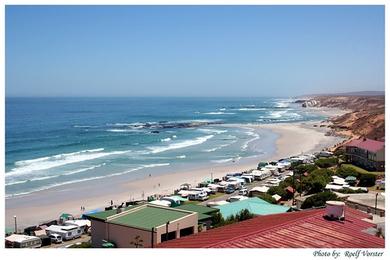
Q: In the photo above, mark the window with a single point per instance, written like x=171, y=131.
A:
x=186, y=231
x=69, y=234
x=171, y=235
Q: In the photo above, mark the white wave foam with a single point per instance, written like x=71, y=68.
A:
x=174, y=136
x=55, y=176
x=181, y=156
x=155, y=165
x=174, y=146
x=211, y=130
x=166, y=139
x=219, y=147
x=121, y=130
x=219, y=113
x=246, y=144
x=249, y=109
x=85, y=179
x=45, y=163
x=227, y=160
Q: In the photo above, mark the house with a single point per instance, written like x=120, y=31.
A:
x=366, y=153
x=22, y=241
x=141, y=226
x=255, y=206
x=300, y=229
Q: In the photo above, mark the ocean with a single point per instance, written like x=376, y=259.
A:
x=51, y=142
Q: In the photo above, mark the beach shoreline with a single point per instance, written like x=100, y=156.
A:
x=293, y=139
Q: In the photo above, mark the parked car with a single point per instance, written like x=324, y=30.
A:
x=229, y=190
x=55, y=238
x=243, y=192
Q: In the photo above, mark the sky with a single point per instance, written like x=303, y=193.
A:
x=193, y=50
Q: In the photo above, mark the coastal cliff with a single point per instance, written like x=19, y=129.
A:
x=365, y=119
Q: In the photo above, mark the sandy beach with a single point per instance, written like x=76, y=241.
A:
x=293, y=139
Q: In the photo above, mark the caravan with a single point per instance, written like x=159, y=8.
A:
x=66, y=232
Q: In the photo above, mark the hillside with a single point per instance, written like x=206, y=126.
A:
x=367, y=116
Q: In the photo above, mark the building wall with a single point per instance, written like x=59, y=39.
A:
x=366, y=159
x=122, y=236
x=98, y=232
x=189, y=221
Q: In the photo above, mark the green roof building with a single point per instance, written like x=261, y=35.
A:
x=141, y=226
x=255, y=206
x=204, y=213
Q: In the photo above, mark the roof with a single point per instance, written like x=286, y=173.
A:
x=20, y=238
x=290, y=189
x=301, y=229
x=198, y=208
x=148, y=216
x=367, y=144
x=254, y=205
x=103, y=215
x=263, y=189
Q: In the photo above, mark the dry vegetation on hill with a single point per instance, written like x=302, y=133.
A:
x=367, y=116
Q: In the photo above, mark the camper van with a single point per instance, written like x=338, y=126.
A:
x=198, y=195
x=66, y=232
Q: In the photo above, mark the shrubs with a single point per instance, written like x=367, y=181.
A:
x=281, y=191
x=346, y=171
x=218, y=220
x=267, y=197
x=350, y=191
x=327, y=162
x=302, y=168
x=319, y=199
x=367, y=180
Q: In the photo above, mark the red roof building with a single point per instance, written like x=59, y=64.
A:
x=366, y=153
x=301, y=229
x=367, y=144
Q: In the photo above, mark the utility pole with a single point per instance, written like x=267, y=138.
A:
x=376, y=201
x=166, y=234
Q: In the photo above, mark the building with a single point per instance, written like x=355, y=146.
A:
x=141, y=226
x=300, y=229
x=255, y=206
x=205, y=214
x=366, y=153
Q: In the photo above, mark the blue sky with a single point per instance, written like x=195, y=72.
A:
x=193, y=50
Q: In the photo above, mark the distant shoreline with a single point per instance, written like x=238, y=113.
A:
x=293, y=139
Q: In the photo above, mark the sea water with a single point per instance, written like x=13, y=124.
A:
x=52, y=142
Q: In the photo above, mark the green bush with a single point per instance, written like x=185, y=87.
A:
x=367, y=180
x=319, y=199
x=302, y=168
x=281, y=191
x=218, y=220
x=314, y=183
x=326, y=162
x=82, y=245
x=267, y=197
x=346, y=171
x=350, y=191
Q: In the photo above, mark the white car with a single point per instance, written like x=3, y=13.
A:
x=55, y=238
x=243, y=192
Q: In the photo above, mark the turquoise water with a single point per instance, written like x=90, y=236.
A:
x=51, y=142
